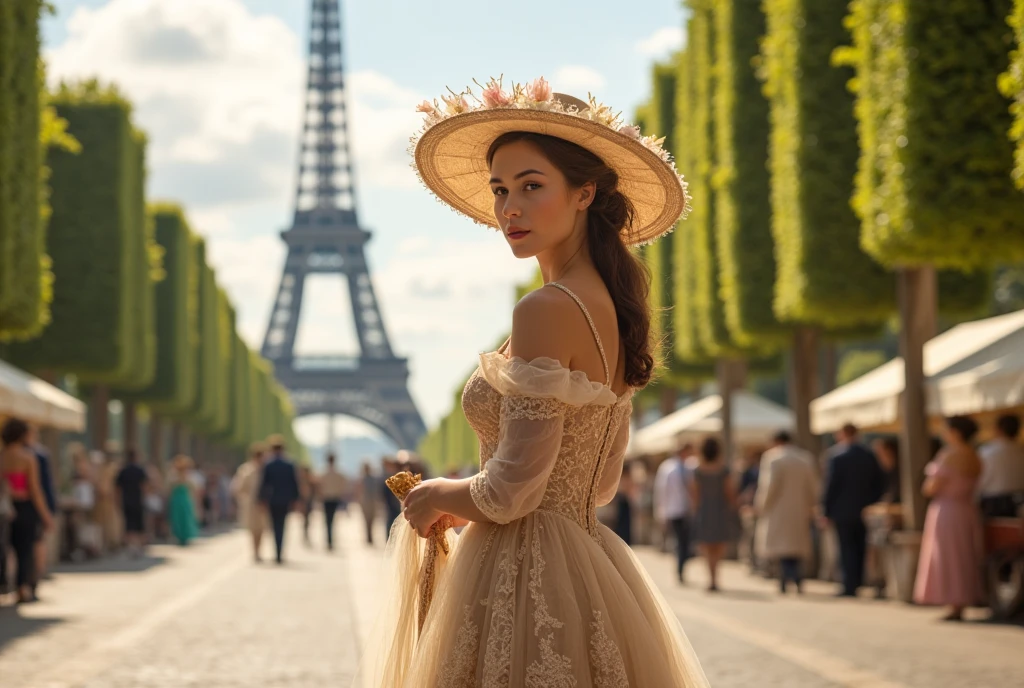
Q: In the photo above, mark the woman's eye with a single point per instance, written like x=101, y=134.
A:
x=499, y=191
x=530, y=186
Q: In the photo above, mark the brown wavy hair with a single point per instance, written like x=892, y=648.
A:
x=625, y=276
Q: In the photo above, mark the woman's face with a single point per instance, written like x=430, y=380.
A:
x=533, y=203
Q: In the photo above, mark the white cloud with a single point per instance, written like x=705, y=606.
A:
x=662, y=42
x=219, y=90
x=577, y=80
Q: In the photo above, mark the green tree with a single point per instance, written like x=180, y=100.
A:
x=28, y=128
x=94, y=237
x=823, y=276
x=746, y=250
x=1011, y=83
x=934, y=183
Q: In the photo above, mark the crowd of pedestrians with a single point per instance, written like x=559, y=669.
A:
x=783, y=508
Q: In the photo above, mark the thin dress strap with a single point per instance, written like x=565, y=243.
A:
x=593, y=328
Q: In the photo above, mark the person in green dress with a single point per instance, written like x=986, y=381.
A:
x=181, y=511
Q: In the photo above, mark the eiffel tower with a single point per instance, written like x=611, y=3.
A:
x=325, y=238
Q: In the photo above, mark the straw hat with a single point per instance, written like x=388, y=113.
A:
x=275, y=440
x=450, y=151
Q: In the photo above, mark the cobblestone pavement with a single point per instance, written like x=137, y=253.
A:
x=207, y=616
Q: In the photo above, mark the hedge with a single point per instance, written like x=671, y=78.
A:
x=91, y=234
x=934, y=181
x=206, y=408
x=144, y=264
x=746, y=250
x=172, y=392
x=1011, y=83
x=23, y=278
x=708, y=309
x=823, y=275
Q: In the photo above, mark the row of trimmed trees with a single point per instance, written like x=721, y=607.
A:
x=99, y=284
x=848, y=161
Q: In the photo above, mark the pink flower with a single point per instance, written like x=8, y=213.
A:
x=426, y=106
x=630, y=131
x=539, y=90
x=493, y=95
x=455, y=104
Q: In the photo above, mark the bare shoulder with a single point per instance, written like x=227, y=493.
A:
x=540, y=326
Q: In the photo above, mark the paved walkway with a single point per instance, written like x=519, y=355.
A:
x=207, y=616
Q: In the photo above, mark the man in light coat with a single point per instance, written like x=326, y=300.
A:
x=787, y=492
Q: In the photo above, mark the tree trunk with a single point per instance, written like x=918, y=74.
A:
x=829, y=367
x=803, y=384
x=731, y=375
x=667, y=401
x=156, y=440
x=131, y=426
x=99, y=419
x=918, y=303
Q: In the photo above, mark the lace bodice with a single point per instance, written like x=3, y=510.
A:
x=550, y=438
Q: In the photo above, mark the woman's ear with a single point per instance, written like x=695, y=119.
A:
x=587, y=193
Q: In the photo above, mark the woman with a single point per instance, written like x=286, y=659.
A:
x=714, y=499
x=536, y=591
x=181, y=508
x=20, y=470
x=949, y=570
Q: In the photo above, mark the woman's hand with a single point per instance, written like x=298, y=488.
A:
x=418, y=507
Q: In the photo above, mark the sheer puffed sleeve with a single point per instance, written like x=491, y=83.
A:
x=608, y=485
x=535, y=398
x=512, y=482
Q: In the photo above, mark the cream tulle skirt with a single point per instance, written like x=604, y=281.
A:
x=536, y=602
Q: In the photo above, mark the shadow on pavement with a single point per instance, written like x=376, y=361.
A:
x=745, y=595
x=14, y=626
x=115, y=563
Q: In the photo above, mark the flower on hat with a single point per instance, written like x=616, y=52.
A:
x=630, y=130
x=455, y=104
x=492, y=94
x=539, y=90
x=426, y=107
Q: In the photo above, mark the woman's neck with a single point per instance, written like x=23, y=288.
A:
x=566, y=257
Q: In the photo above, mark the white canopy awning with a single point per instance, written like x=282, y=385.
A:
x=31, y=399
x=755, y=419
x=972, y=368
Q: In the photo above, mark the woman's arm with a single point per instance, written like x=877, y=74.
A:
x=432, y=499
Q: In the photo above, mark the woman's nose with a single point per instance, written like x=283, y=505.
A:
x=510, y=209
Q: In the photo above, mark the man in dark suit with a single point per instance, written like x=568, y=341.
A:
x=854, y=481
x=279, y=490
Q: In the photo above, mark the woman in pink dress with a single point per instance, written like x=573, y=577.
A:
x=949, y=571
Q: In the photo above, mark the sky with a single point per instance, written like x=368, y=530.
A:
x=218, y=86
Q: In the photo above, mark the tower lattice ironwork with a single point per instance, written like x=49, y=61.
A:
x=325, y=238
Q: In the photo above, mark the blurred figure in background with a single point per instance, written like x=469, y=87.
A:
x=181, y=503
x=747, y=493
x=307, y=491
x=949, y=570
x=624, y=496
x=131, y=486
x=392, y=507
x=48, y=483
x=367, y=492
x=887, y=451
x=672, y=503
x=1001, y=487
x=245, y=486
x=279, y=491
x=333, y=488
x=19, y=468
x=854, y=482
x=786, y=496
x=714, y=502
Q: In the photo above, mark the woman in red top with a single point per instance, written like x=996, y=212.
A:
x=18, y=468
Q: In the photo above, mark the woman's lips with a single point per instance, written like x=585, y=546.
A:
x=517, y=232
